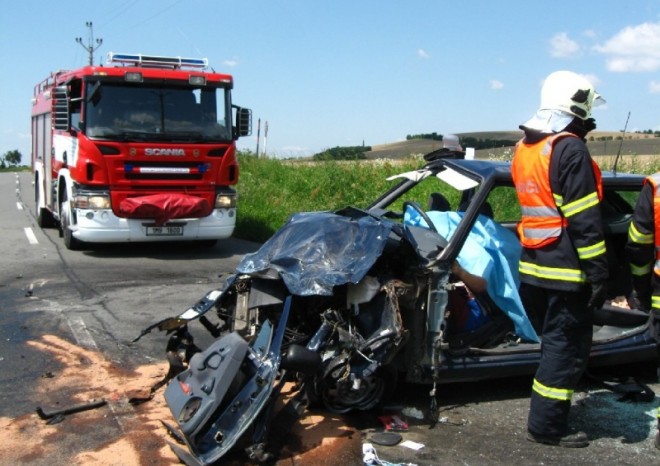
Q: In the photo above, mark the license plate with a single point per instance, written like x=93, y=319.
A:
x=171, y=230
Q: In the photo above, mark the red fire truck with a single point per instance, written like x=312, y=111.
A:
x=142, y=149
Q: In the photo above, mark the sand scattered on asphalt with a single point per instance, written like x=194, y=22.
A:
x=120, y=433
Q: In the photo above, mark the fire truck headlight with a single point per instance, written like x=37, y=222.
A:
x=133, y=77
x=225, y=200
x=94, y=202
x=197, y=80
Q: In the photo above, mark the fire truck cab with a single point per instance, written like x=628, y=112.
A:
x=141, y=149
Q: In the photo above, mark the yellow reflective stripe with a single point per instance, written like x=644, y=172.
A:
x=637, y=237
x=580, y=205
x=587, y=252
x=552, y=273
x=641, y=269
x=655, y=302
x=561, y=394
x=559, y=199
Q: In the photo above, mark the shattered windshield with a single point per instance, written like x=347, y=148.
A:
x=150, y=112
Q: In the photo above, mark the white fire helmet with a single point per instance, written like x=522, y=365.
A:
x=564, y=96
x=570, y=93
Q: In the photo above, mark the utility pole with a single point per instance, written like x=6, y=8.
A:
x=265, y=139
x=90, y=43
x=258, y=135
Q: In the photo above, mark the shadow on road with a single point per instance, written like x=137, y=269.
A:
x=172, y=250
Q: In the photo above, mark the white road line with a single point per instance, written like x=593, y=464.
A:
x=30, y=235
x=85, y=339
x=80, y=332
x=19, y=206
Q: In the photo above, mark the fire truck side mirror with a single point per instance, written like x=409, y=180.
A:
x=243, y=122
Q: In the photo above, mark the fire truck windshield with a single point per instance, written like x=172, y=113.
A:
x=151, y=112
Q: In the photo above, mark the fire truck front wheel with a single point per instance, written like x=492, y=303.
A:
x=70, y=241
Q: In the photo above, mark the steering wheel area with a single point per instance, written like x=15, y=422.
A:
x=417, y=208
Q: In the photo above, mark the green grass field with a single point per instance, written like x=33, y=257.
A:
x=270, y=190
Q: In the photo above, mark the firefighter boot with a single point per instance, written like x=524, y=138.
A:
x=576, y=440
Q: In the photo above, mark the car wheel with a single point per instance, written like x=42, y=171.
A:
x=340, y=395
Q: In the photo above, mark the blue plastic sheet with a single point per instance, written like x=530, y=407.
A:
x=316, y=251
x=492, y=252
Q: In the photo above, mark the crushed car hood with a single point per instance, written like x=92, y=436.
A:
x=316, y=251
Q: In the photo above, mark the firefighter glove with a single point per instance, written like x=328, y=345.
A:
x=598, y=295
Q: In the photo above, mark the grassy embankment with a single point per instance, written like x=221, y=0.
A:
x=21, y=168
x=271, y=190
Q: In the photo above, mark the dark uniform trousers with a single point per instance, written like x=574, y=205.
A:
x=566, y=343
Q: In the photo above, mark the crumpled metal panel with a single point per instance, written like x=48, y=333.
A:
x=316, y=251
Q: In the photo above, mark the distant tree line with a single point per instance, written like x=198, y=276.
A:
x=486, y=143
x=343, y=153
x=11, y=158
x=649, y=131
x=433, y=136
x=621, y=137
x=468, y=141
x=358, y=152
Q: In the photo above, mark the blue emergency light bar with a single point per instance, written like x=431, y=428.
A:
x=151, y=60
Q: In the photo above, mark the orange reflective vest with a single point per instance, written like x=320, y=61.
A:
x=542, y=221
x=654, y=180
x=644, y=244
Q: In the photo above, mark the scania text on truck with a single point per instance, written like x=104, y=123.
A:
x=141, y=149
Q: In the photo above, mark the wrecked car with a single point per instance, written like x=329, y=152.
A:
x=344, y=304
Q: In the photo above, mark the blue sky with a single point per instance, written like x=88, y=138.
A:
x=342, y=72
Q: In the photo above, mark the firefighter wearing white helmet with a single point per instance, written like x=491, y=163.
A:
x=569, y=92
x=563, y=265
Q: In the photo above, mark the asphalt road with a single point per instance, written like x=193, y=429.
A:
x=100, y=299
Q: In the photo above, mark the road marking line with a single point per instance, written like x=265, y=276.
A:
x=80, y=333
x=32, y=239
x=19, y=206
x=120, y=411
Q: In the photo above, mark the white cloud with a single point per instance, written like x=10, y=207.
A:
x=654, y=87
x=421, y=53
x=590, y=33
x=634, y=48
x=592, y=78
x=496, y=85
x=230, y=63
x=561, y=46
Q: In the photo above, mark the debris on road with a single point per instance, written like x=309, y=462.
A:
x=49, y=414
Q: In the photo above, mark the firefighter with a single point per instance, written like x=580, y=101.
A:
x=643, y=250
x=563, y=264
